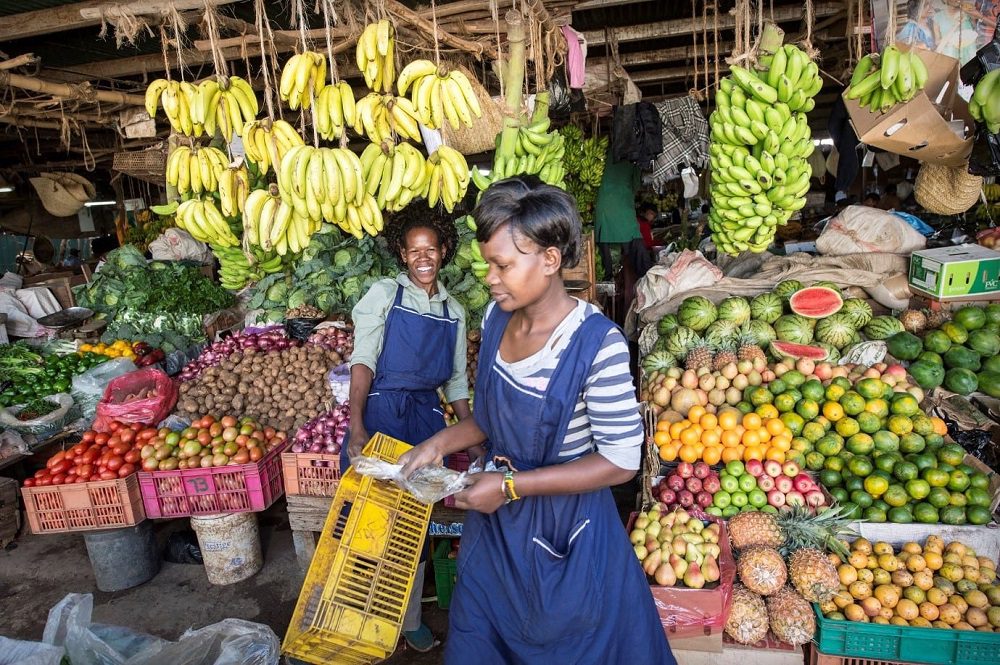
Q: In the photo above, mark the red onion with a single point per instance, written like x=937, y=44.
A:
x=267, y=339
x=336, y=339
x=324, y=433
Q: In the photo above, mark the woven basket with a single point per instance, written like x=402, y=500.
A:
x=60, y=196
x=481, y=137
x=147, y=165
x=946, y=190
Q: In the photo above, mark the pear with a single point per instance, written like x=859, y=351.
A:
x=679, y=565
x=680, y=546
x=693, y=578
x=652, y=543
x=711, y=549
x=682, y=516
x=653, y=529
x=641, y=522
x=665, y=575
x=640, y=551
x=710, y=569
x=637, y=537
x=652, y=562
x=695, y=526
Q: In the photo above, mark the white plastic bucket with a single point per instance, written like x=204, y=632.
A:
x=230, y=546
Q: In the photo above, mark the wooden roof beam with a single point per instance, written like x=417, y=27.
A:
x=664, y=55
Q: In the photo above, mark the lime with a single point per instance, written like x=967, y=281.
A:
x=847, y=427
x=793, y=378
x=886, y=441
x=922, y=425
x=959, y=481
x=860, y=444
x=885, y=461
x=896, y=496
x=911, y=443
x=761, y=395
x=905, y=404
x=812, y=390
x=777, y=386
x=979, y=480
x=860, y=466
x=876, y=485
x=925, y=513
x=939, y=497
x=853, y=483
x=936, y=477
x=958, y=499
x=934, y=441
x=875, y=514
x=839, y=494
x=807, y=408
x=869, y=422
x=813, y=431
x=924, y=461
x=834, y=463
x=869, y=388
x=951, y=453
x=947, y=468
x=978, y=515
x=862, y=498
x=802, y=445
x=744, y=408
x=900, y=515
x=906, y=471
x=793, y=421
x=953, y=515
x=918, y=489
x=814, y=460
x=966, y=468
x=977, y=497
x=853, y=403
x=881, y=505
x=850, y=510
x=829, y=479
x=841, y=381
x=830, y=445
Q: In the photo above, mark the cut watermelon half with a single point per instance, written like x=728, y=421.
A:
x=792, y=350
x=815, y=302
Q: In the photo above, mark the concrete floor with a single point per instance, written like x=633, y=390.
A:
x=36, y=572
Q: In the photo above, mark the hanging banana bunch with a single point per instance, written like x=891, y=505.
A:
x=267, y=141
x=447, y=177
x=537, y=151
x=437, y=98
x=335, y=110
x=379, y=116
x=205, y=223
x=394, y=174
x=227, y=106
x=234, y=187
x=375, y=56
x=195, y=170
x=881, y=82
x=178, y=99
x=302, y=79
x=237, y=271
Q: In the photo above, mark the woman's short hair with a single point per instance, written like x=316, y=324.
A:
x=544, y=214
x=418, y=215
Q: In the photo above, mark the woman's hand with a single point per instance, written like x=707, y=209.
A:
x=359, y=437
x=484, y=495
x=425, y=454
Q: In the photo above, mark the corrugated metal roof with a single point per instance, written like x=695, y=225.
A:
x=8, y=7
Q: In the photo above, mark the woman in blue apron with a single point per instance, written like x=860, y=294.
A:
x=410, y=340
x=546, y=573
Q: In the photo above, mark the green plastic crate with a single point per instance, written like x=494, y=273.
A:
x=906, y=644
x=445, y=571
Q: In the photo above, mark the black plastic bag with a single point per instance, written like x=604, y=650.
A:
x=300, y=329
x=182, y=547
x=977, y=442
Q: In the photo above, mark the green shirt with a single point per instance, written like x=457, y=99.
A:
x=369, y=326
x=614, y=212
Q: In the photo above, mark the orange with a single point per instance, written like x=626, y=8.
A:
x=695, y=413
x=833, y=411
x=782, y=442
x=712, y=454
x=689, y=437
x=764, y=435
x=661, y=438
x=751, y=438
x=710, y=438
x=668, y=453
x=730, y=438
x=677, y=428
x=663, y=426
x=708, y=421
x=689, y=454
x=751, y=421
x=939, y=426
x=753, y=452
x=775, y=426
x=775, y=454
x=729, y=419
x=730, y=454
x=767, y=411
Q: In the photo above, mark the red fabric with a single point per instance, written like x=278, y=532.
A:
x=646, y=230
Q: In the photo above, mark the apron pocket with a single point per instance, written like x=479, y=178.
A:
x=563, y=589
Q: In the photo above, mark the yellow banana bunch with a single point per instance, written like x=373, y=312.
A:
x=178, y=99
x=379, y=116
x=335, y=110
x=375, y=55
x=225, y=106
x=324, y=184
x=234, y=187
x=205, y=223
x=302, y=79
x=267, y=141
x=239, y=268
x=394, y=174
x=437, y=98
x=448, y=177
x=195, y=170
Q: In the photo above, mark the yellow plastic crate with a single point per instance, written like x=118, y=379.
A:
x=352, y=603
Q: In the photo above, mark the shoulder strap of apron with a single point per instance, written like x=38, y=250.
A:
x=399, y=296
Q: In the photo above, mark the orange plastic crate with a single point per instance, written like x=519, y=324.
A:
x=101, y=504
x=310, y=474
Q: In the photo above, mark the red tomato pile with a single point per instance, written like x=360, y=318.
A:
x=208, y=443
x=98, y=456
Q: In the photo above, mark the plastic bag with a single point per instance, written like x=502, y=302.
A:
x=339, y=380
x=43, y=426
x=300, y=329
x=88, y=388
x=149, y=410
x=976, y=442
x=428, y=484
x=12, y=444
x=18, y=652
x=182, y=547
x=228, y=642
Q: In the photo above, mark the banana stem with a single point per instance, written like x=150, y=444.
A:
x=541, y=106
x=513, y=82
x=771, y=39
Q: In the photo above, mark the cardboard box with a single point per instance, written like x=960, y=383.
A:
x=963, y=272
x=922, y=128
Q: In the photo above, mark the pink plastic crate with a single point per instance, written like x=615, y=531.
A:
x=458, y=462
x=244, y=488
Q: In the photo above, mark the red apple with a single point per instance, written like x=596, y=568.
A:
x=784, y=484
x=790, y=469
x=755, y=468
x=711, y=484
x=668, y=496
x=704, y=499
x=803, y=483
x=776, y=498
x=675, y=482
x=694, y=485
x=772, y=468
x=686, y=498
x=794, y=498
x=701, y=470
x=815, y=499
x=685, y=469
x=765, y=483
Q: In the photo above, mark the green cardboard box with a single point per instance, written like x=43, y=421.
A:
x=963, y=272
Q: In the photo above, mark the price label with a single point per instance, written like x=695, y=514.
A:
x=200, y=485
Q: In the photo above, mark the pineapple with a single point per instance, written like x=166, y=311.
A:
x=936, y=318
x=791, y=530
x=754, y=528
x=725, y=355
x=698, y=356
x=749, y=350
x=747, y=622
x=813, y=574
x=762, y=570
x=791, y=617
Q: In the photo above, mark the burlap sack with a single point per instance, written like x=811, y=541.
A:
x=860, y=229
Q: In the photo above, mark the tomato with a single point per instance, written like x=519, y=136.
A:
x=136, y=427
x=88, y=457
x=102, y=438
x=114, y=426
x=85, y=470
x=55, y=459
x=42, y=473
x=204, y=438
x=121, y=449
x=127, y=436
x=126, y=470
x=82, y=479
x=150, y=464
x=115, y=462
x=108, y=475
x=146, y=435
x=44, y=482
x=147, y=451
x=242, y=457
x=58, y=479
x=88, y=436
x=132, y=456
x=60, y=467
x=80, y=449
x=255, y=454
x=163, y=431
x=30, y=482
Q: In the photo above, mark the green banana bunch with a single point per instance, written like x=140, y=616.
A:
x=992, y=192
x=239, y=268
x=985, y=103
x=479, y=265
x=879, y=82
x=760, y=143
x=584, y=163
x=535, y=151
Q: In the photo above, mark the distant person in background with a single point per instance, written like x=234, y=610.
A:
x=871, y=200
x=614, y=212
x=73, y=260
x=99, y=247
x=647, y=215
x=891, y=200
x=846, y=142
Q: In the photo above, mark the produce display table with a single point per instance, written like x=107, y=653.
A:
x=306, y=516
x=36, y=448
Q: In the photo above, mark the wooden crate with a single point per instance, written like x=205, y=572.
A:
x=585, y=271
x=10, y=511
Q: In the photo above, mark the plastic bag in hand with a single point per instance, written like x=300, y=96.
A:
x=428, y=484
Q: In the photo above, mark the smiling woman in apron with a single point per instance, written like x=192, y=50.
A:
x=546, y=573
x=410, y=340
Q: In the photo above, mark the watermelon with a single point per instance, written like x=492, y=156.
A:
x=761, y=332
x=927, y=374
x=679, y=340
x=827, y=285
x=792, y=350
x=735, y=309
x=816, y=302
x=666, y=324
x=859, y=310
x=766, y=307
x=959, y=356
x=721, y=331
x=989, y=383
x=697, y=313
x=961, y=381
x=784, y=290
x=832, y=352
x=835, y=330
x=883, y=327
x=905, y=346
x=658, y=361
x=970, y=317
x=793, y=328
x=992, y=312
